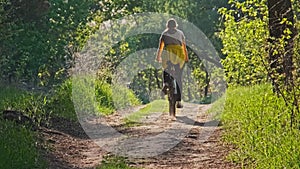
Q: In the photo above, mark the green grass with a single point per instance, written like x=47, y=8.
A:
x=123, y=97
x=153, y=107
x=114, y=162
x=257, y=123
x=31, y=104
x=97, y=97
x=10, y=95
x=18, y=144
x=18, y=148
x=217, y=108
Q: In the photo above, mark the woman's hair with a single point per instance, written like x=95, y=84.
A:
x=171, y=23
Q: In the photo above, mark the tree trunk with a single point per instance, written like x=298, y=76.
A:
x=281, y=61
x=282, y=27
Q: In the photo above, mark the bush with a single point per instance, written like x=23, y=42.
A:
x=257, y=123
x=61, y=102
x=101, y=99
x=123, y=97
x=18, y=147
x=111, y=98
x=104, y=98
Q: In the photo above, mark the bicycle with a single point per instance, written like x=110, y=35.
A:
x=172, y=88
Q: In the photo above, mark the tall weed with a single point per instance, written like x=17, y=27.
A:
x=257, y=123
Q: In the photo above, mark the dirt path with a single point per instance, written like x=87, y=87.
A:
x=192, y=141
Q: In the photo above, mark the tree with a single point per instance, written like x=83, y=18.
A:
x=282, y=34
x=281, y=53
x=243, y=37
x=35, y=36
x=250, y=28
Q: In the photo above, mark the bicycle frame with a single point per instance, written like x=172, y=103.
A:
x=172, y=88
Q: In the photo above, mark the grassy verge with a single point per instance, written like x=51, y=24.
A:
x=256, y=122
x=18, y=144
x=217, y=108
x=33, y=105
x=88, y=95
x=84, y=94
x=153, y=107
x=18, y=148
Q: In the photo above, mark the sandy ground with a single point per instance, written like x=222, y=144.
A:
x=193, y=141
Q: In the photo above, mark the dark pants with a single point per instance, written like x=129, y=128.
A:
x=174, y=72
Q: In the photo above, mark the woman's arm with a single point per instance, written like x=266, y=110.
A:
x=186, y=58
x=160, y=49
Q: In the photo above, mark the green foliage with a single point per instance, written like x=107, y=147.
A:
x=123, y=97
x=91, y=96
x=260, y=48
x=257, y=123
x=18, y=147
x=9, y=94
x=244, y=39
x=110, y=98
x=206, y=17
x=37, y=47
x=33, y=105
x=104, y=97
x=61, y=103
x=145, y=82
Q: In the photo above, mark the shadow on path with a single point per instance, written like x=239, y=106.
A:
x=189, y=121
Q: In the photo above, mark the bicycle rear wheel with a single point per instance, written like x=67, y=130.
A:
x=172, y=101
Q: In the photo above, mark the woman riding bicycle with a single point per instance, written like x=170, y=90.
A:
x=173, y=40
